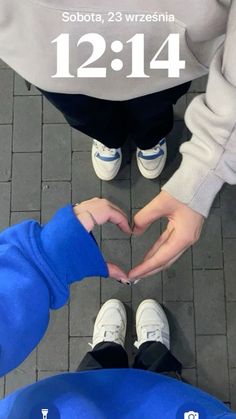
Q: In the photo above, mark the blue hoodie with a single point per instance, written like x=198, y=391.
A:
x=37, y=266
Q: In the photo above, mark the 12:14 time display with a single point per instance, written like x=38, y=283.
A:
x=173, y=65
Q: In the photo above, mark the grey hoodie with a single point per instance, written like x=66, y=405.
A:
x=207, y=33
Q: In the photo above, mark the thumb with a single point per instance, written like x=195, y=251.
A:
x=147, y=215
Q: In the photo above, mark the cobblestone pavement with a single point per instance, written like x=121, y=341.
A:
x=44, y=165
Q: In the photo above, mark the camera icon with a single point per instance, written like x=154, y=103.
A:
x=191, y=415
x=44, y=413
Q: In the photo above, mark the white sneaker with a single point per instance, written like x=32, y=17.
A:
x=151, y=324
x=151, y=162
x=110, y=324
x=106, y=161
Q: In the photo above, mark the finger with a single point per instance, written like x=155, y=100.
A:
x=174, y=245
x=146, y=216
x=162, y=239
x=117, y=273
x=164, y=267
x=117, y=218
x=86, y=219
x=117, y=208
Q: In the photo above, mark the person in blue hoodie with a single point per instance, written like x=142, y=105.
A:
x=37, y=266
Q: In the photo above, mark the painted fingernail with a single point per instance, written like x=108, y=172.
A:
x=136, y=281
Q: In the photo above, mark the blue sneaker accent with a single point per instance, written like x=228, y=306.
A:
x=152, y=157
x=162, y=141
x=106, y=158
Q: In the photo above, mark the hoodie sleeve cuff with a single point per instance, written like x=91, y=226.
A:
x=72, y=251
x=194, y=185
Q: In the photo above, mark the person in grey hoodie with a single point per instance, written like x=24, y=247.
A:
x=47, y=43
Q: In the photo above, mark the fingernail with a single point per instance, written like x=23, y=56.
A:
x=136, y=281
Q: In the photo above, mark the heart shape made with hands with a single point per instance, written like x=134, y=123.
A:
x=183, y=229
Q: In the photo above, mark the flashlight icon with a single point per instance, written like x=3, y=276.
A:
x=44, y=413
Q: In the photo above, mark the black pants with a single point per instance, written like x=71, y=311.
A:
x=145, y=120
x=151, y=356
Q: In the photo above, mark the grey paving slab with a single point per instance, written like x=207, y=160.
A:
x=190, y=97
x=216, y=202
x=3, y=65
x=80, y=141
x=17, y=217
x=20, y=88
x=209, y=300
x=176, y=137
x=190, y=376
x=5, y=152
x=54, y=196
x=78, y=348
x=231, y=332
x=26, y=182
x=2, y=388
x=53, y=349
x=199, y=85
x=46, y=374
x=118, y=252
x=152, y=286
x=85, y=184
x=142, y=244
x=24, y=375
x=142, y=190
x=6, y=96
x=178, y=281
x=27, y=131
x=229, y=246
x=51, y=115
x=118, y=192
x=84, y=306
x=232, y=373
x=228, y=196
x=127, y=152
x=208, y=252
x=180, y=108
x=146, y=288
x=56, y=152
x=5, y=190
x=213, y=375
x=110, y=288
x=181, y=319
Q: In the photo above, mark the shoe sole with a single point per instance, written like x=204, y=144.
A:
x=155, y=303
x=148, y=173
x=100, y=173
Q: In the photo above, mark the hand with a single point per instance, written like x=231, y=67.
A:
x=183, y=230
x=97, y=212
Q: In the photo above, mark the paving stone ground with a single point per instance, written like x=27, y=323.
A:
x=44, y=165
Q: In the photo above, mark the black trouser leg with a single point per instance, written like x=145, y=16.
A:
x=105, y=355
x=100, y=119
x=145, y=119
x=154, y=356
x=151, y=117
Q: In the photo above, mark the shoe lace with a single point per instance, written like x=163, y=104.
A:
x=105, y=150
x=151, y=151
x=150, y=333
x=109, y=333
